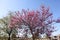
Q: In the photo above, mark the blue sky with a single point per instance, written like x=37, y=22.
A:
x=15, y=5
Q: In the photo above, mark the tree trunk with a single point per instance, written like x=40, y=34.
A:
x=33, y=37
x=9, y=37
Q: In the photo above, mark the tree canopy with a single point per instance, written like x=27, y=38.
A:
x=39, y=21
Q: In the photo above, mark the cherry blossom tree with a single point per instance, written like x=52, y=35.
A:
x=39, y=21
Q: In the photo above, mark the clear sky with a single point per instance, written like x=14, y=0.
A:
x=15, y=5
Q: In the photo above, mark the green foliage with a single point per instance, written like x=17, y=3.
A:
x=4, y=25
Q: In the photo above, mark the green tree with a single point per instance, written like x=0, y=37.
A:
x=5, y=22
